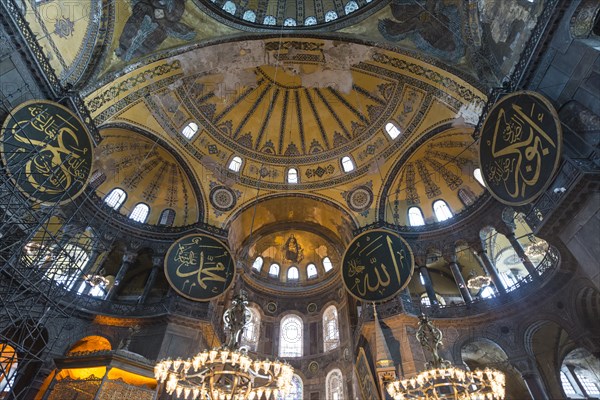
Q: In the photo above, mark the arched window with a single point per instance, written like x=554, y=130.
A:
x=67, y=265
x=167, y=217
x=292, y=175
x=441, y=210
x=415, y=217
x=292, y=274
x=8, y=368
x=478, y=176
x=334, y=385
x=290, y=338
x=310, y=21
x=331, y=333
x=140, y=213
x=229, y=7
x=289, y=22
x=426, y=301
x=249, y=16
x=274, y=270
x=257, y=264
x=311, y=271
x=392, y=130
x=566, y=384
x=269, y=20
x=466, y=195
x=296, y=391
x=97, y=179
x=190, y=129
x=252, y=330
x=591, y=388
x=330, y=16
x=236, y=164
x=327, y=265
x=487, y=293
x=347, y=164
x=115, y=198
x=351, y=6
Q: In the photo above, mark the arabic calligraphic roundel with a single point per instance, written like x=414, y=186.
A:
x=520, y=147
x=47, y=151
x=377, y=265
x=199, y=267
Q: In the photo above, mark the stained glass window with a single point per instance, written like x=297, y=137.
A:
x=334, y=385
x=290, y=339
x=331, y=333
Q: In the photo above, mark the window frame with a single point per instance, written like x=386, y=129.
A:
x=408, y=213
x=239, y=161
x=295, y=350
x=445, y=203
x=274, y=267
x=392, y=130
x=331, y=328
x=309, y=274
x=119, y=202
x=188, y=127
x=296, y=271
x=344, y=163
x=138, y=205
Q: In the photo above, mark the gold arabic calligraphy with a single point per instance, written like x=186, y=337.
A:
x=59, y=160
x=518, y=148
x=364, y=282
x=204, y=267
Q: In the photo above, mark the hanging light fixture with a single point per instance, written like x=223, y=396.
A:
x=441, y=380
x=228, y=372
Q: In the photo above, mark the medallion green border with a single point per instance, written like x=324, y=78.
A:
x=5, y=165
x=412, y=265
x=183, y=294
x=559, y=134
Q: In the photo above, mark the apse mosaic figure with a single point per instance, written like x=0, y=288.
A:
x=199, y=267
x=47, y=151
x=520, y=147
x=150, y=23
x=377, y=265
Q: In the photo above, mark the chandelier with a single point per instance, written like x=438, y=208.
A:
x=478, y=282
x=441, y=380
x=228, y=372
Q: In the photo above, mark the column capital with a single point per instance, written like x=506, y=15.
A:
x=157, y=261
x=129, y=256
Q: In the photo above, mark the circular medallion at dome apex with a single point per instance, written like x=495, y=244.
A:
x=290, y=14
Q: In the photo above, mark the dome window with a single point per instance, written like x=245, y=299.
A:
x=311, y=271
x=190, y=130
x=140, y=213
x=441, y=210
x=330, y=16
x=292, y=175
x=249, y=16
x=269, y=20
x=415, y=217
x=351, y=6
x=347, y=164
x=392, y=130
x=167, y=217
x=229, y=7
x=327, y=265
x=310, y=21
x=257, y=264
x=236, y=164
x=274, y=270
x=292, y=274
x=289, y=22
x=115, y=198
x=477, y=175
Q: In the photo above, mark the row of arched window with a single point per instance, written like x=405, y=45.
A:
x=140, y=212
x=292, y=176
x=291, y=333
x=293, y=273
x=441, y=210
x=250, y=16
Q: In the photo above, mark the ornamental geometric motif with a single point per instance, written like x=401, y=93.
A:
x=360, y=199
x=222, y=198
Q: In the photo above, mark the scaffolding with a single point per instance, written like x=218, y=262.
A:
x=50, y=254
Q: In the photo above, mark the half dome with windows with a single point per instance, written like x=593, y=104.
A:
x=438, y=182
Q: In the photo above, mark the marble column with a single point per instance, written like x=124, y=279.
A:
x=460, y=282
x=486, y=264
x=157, y=263
x=128, y=259
x=522, y=255
x=428, y=285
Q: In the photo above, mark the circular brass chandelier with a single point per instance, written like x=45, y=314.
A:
x=229, y=372
x=442, y=380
